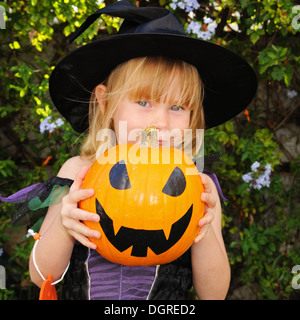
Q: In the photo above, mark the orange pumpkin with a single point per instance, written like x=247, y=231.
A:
x=149, y=205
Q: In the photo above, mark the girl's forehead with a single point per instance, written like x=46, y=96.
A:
x=172, y=83
x=172, y=93
x=168, y=89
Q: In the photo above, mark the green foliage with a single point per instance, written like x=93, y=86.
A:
x=7, y=168
x=260, y=226
x=274, y=61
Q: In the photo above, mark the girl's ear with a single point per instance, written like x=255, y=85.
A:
x=100, y=91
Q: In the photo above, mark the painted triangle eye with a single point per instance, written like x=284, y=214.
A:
x=176, y=183
x=118, y=176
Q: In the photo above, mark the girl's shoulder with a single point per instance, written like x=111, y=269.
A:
x=72, y=166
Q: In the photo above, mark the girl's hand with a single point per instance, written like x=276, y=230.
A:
x=71, y=215
x=210, y=198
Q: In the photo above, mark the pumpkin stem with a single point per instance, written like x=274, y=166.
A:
x=149, y=137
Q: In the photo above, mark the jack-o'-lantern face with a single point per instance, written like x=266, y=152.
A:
x=149, y=210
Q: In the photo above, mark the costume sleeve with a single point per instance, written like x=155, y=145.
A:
x=32, y=202
x=209, y=160
x=216, y=181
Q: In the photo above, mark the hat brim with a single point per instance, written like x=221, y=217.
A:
x=229, y=82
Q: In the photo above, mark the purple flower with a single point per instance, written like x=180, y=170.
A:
x=254, y=166
x=187, y=5
x=195, y=28
x=258, y=178
x=207, y=20
x=47, y=125
x=292, y=94
x=247, y=177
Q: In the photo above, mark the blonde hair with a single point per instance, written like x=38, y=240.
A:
x=146, y=78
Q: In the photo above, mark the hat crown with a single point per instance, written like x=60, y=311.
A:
x=136, y=20
x=150, y=20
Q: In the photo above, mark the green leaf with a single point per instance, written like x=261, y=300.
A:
x=37, y=101
x=22, y=92
x=263, y=68
x=244, y=3
x=277, y=73
x=254, y=37
x=229, y=126
x=288, y=75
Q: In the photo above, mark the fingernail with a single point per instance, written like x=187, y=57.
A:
x=93, y=246
x=197, y=240
x=96, y=218
x=96, y=235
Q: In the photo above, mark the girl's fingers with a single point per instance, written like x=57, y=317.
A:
x=209, y=199
x=83, y=240
x=72, y=215
x=81, y=229
x=80, y=194
x=208, y=196
x=79, y=178
x=206, y=183
x=202, y=233
x=204, y=223
x=207, y=219
x=82, y=215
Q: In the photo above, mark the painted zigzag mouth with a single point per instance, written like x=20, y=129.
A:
x=141, y=239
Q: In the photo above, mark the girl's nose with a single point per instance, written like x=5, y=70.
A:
x=160, y=119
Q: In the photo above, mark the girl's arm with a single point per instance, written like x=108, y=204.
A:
x=210, y=265
x=62, y=226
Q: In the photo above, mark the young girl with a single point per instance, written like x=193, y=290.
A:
x=143, y=77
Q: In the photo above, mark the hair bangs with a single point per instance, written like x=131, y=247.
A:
x=160, y=79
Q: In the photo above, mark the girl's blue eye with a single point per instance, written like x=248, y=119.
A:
x=143, y=103
x=176, y=108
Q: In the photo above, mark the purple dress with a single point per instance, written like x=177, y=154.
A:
x=111, y=281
